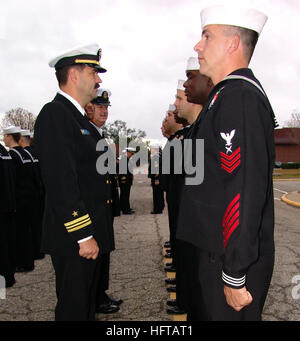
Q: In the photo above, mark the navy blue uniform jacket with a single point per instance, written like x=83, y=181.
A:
x=77, y=197
x=232, y=212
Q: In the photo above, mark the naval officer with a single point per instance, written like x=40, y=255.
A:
x=77, y=227
x=97, y=112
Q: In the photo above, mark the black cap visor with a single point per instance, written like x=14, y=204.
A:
x=89, y=60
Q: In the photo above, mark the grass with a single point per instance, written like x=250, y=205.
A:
x=279, y=173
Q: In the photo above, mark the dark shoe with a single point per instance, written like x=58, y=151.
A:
x=21, y=269
x=156, y=212
x=10, y=282
x=176, y=311
x=170, y=269
x=171, y=281
x=171, y=303
x=107, y=309
x=39, y=256
x=168, y=251
x=168, y=255
x=167, y=244
x=171, y=289
x=127, y=212
x=114, y=302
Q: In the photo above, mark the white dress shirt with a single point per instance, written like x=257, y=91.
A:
x=73, y=101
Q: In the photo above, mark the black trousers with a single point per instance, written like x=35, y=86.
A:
x=173, y=209
x=8, y=247
x=158, y=198
x=209, y=302
x=36, y=217
x=24, y=238
x=76, y=287
x=186, y=273
x=103, y=279
x=172, y=232
x=125, y=197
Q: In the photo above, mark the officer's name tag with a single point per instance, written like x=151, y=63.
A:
x=85, y=132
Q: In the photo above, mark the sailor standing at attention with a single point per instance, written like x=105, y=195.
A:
x=229, y=217
x=25, y=198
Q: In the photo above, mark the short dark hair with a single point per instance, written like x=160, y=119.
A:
x=63, y=73
x=248, y=38
x=26, y=138
x=16, y=137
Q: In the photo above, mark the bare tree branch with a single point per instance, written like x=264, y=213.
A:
x=294, y=121
x=119, y=128
x=19, y=117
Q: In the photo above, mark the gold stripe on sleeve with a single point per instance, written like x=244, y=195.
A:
x=69, y=224
x=80, y=226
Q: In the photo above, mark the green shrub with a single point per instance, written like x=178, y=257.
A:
x=290, y=165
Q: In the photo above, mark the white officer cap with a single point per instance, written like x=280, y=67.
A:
x=180, y=85
x=87, y=54
x=233, y=15
x=11, y=130
x=25, y=132
x=102, y=90
x=102, y=97
x=193, y=64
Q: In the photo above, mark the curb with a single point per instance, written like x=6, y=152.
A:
x=290, y=202
x=292, y=179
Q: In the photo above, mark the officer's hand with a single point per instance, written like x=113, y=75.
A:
x=237, y=298
x=89, y=249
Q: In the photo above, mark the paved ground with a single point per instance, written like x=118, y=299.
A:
x=280, y=303
x=137, y=274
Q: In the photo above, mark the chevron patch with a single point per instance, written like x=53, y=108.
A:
x=230, y=162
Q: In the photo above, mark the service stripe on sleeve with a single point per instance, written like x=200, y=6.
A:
x=78, y=224
x=76, y=220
